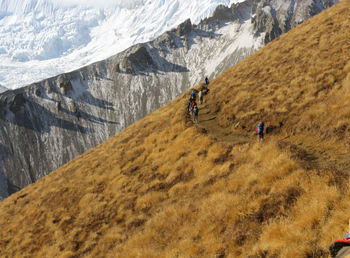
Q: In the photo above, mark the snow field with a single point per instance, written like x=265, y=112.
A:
x=43, y=38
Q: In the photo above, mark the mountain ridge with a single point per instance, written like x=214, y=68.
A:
x=89, y=105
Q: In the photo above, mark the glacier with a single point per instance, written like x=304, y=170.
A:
x=44, y=38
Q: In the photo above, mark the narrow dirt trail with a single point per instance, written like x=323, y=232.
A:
x=207, y=122
x=323, y=154
x=316, y=153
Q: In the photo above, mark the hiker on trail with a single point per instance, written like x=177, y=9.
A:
x=189, y=106
x=206, y=82
x=195, y=113
x=260, y=130
x=341, y=248
x=200, y=95
x=205, y=86
x=193, y=95
x=193, y=104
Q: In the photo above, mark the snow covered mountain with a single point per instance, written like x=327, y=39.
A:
x=2, y=88
x=44, y=38
x=48, y=123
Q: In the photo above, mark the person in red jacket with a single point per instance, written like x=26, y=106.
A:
x=341, y=248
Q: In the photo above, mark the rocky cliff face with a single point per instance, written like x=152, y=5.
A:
x=274, y=17
x=46, y=124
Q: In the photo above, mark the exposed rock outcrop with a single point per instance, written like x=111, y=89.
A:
x=166, y=41
x=274, y=17
x=140, y=60
x=242, y=11
x=223, y=13
x=265, y=21
x=64, y=84
x=13, y=100
x=184, y=28
x=16, y=102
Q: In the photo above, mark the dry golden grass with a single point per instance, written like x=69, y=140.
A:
x=167, y=188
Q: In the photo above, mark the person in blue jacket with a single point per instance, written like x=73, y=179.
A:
x=193, y=95
x=206, y=82
x=260, y=130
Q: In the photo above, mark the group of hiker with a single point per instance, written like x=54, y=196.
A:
x=194, y=110
x=192, y=102
x=340, y=248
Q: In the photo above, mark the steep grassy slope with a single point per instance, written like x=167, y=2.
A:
x=168, y=188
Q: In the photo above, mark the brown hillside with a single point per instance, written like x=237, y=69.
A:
x=168, y=188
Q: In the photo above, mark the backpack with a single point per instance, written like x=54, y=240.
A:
x=195, y=110
x=340, y=248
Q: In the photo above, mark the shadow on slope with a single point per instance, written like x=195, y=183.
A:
x=20, y=113
x=85, y=116
x=148, y=58
x=4, y=189
x=78, y=86
x=145, y=60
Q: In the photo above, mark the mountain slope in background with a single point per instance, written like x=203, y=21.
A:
x=46, y=124
x=2, y=88
x=44, y=38
x=167, y=187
